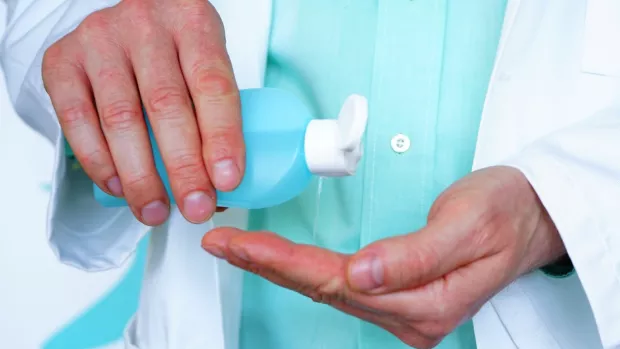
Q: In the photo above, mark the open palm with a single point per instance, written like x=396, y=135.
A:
x=482, y=233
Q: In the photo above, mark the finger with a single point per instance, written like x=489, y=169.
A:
x=70, y=91
x=209, y=75
x=380, y=318
x=122, y=121
x=315, y=270
x=437, y=308
x=410, y=260
x=216, y=243
x=171, y=115
x=448, y=300
x=311, y=269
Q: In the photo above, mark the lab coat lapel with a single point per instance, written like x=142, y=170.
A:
x=540, y=84
x=487, y=122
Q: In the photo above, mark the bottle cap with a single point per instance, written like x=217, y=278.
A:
x=333, y=148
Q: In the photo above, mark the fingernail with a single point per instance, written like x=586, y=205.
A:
x=115, y=187
x=366, y=274
x=225, y=175
x=155, y=213
x=215, y=251
x=198, y=207
x=239, y=253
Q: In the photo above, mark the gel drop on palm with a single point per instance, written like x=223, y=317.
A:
x=285, y=147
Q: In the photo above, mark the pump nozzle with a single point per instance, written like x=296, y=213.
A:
x=333, y=148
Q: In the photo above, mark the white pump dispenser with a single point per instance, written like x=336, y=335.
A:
x=285, y=147
x=333, y=148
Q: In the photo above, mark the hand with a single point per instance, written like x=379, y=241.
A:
x=164, y=54
x=483, y=232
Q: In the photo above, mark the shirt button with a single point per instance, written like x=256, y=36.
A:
x=400, y=143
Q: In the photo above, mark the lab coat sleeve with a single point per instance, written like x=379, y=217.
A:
x=576, y=173
x=80, y=232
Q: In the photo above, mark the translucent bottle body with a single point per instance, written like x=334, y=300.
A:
x=274, y=128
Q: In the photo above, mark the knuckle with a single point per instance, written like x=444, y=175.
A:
x=96, y=162
x=222, y=136
x=138, y=17
x=94, y=24
x=221, y=143
x=111, y=76
x=164, y=99
x=120, y=116
x=196, y=14
x=328, y=292
x=57, y=65
x=138, y=9
x=140, y=186
x=187, y=167
x=199, y=16
x=215, y=83
x=74, y=116
x=136, y=12
x=52, y=57
x=145, y=29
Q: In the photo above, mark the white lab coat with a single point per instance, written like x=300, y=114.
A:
x=552, y=111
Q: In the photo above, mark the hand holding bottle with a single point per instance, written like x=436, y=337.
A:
x=161, y=55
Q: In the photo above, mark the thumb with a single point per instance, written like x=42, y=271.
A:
x=409, y=261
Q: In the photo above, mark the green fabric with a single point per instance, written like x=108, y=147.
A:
x=424, y=66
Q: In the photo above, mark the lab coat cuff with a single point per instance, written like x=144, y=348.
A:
x=579, y=226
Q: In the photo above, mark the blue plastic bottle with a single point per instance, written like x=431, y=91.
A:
x=285, y=147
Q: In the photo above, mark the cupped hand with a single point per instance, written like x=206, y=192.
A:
x=482, y=233
x=169, y=57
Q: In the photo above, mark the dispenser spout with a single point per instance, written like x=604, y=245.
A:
x=333, y=148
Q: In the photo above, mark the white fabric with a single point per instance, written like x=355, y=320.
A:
x=28, y=267
x=551, y=111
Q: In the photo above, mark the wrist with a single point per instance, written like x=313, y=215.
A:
x=550, y=247
x=544, y=245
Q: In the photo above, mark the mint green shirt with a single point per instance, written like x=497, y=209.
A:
x=424, y=66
